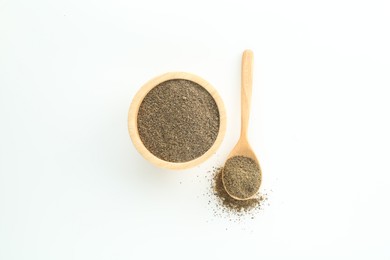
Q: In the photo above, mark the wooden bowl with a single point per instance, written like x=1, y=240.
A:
x=133, y=127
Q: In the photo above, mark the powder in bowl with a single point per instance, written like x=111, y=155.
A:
x=178, y=120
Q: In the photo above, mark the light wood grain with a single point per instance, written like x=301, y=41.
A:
x=246, y=90
x=243, y=148
x=133, y=128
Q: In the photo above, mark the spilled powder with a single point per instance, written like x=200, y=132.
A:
x=229, y=202
x=227, y=207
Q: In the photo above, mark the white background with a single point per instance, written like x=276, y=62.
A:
x=72, y=186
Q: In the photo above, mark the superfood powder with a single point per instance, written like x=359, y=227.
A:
x=241, y=176
x=178, y=120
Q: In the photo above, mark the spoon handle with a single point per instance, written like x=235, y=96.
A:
x=246, y=90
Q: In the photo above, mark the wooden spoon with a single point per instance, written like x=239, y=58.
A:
x=243, y=147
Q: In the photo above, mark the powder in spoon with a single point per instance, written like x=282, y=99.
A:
x=241, y=176
x=178, y=120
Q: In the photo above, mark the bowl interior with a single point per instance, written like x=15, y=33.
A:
x=133, y=122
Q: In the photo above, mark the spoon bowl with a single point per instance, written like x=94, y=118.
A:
x=243, y=147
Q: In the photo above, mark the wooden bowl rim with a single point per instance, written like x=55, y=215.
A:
x=133, y=113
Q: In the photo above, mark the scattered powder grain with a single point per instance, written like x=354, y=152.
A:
x=178, y=120
x=224, y=206
x=229, y=202
x=242, y=176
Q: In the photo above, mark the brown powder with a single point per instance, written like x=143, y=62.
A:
x=224, y=206
x=229, y=202
x=241, y=176
x=178, y=120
